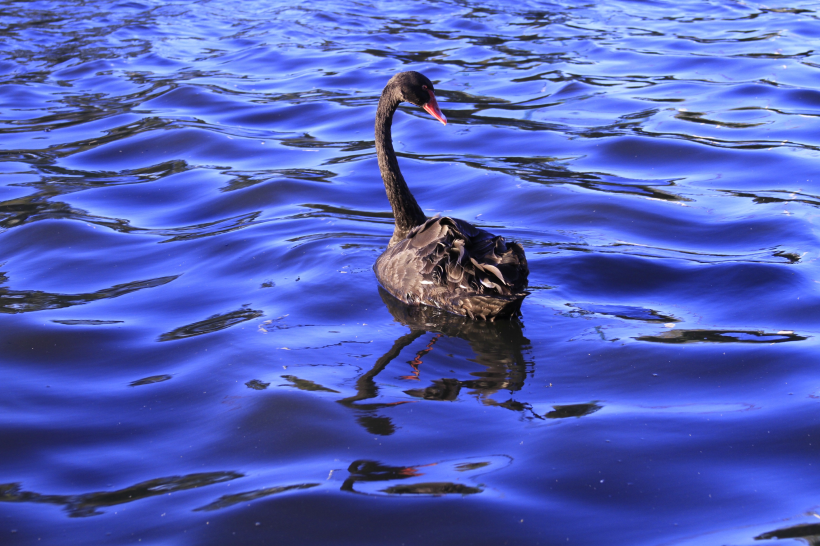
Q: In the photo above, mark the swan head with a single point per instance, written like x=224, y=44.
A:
x=417, y=89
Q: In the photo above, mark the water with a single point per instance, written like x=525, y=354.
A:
x=194, y=346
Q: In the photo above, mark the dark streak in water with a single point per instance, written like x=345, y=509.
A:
x=573, y=410
x=26, y=301
x=229, y=500
x=808, y=532
x=257, y=385
x=432, y=488
x=86, y=322
x=305, y=384
x=722, y=336
x=212, y=324
x=150, y=380
x=88, y=504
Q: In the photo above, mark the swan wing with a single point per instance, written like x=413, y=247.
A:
x=445, y=262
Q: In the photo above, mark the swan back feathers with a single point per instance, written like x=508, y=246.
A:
x=450, y=264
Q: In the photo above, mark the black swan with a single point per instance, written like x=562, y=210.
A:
x=442, y=262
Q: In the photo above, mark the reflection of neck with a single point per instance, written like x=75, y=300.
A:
x=366, y=384
x=406, y=210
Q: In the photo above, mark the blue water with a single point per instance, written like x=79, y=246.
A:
x=195, y=349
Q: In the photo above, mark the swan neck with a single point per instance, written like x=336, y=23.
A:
x=406, y=210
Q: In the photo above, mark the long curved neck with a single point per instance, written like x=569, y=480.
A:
x=407, y=212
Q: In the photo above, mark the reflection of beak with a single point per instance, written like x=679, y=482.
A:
x=432, y=108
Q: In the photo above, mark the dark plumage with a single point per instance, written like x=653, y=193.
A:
x=443, y=262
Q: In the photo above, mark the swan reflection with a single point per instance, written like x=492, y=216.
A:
x=500, y=349
x=806, y=532
x=365, y=477
x=454, y=477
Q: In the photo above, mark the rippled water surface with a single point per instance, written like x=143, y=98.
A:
x=194, y=346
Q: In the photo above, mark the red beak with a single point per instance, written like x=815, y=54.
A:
x=432, y=108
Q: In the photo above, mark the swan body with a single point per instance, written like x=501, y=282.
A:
x=442, y=262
